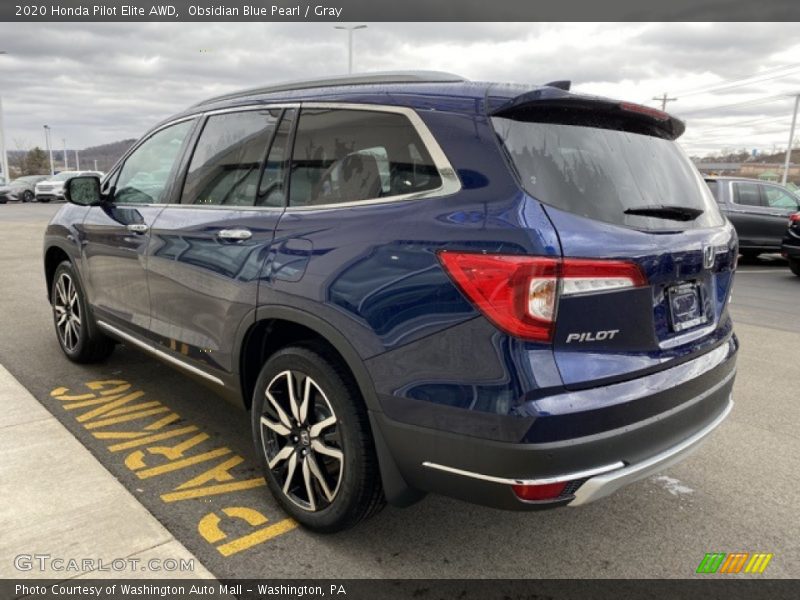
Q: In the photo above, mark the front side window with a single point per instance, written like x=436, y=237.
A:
x=225, y=167
x=145, y=176
x=747, y=194
x=778, y=198
x=345, y=155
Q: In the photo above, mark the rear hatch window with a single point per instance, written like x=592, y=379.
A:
x=607, y=174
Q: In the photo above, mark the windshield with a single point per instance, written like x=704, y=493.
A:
x=602, y=173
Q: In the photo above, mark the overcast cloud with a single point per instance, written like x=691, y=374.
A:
x=98, y=83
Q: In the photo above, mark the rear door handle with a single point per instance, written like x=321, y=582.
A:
x=137, y=228
x=238, y=234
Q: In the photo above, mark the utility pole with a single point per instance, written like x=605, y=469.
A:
x=77, y=161
x=664, y=99
x=66, y=164
x=350, y=31
x=49, y=148
x=95, y=164
x=791, y=139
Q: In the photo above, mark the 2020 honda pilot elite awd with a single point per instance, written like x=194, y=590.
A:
x=512, y=295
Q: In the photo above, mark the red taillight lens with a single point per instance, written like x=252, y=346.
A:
x=516, y=293
x=519, y=294
x=794, y=218
x=659, y=115
x=547, y=491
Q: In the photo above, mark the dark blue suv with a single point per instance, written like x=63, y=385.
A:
x=512, y=295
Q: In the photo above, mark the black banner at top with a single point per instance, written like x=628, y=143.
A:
x=403, y=10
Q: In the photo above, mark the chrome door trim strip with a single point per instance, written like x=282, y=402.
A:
x=158, y=353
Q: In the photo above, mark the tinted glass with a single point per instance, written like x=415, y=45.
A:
x=713, y=185
x=778, y=198
x=601, y=173
x=352, y=155
x=747, y=194
x=145, y=176
x=226, y=163
x=271, y=190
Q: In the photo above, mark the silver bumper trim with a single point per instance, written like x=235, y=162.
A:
x=512, y=481
x=602, y=485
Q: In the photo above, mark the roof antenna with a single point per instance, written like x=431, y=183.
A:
x=563, y=84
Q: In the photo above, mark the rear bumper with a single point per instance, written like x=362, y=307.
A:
x=595, y=464
x=604, y=484
x=791, y=248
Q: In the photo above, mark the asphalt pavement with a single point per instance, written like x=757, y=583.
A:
x=738, y=493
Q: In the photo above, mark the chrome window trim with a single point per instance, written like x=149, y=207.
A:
x=451, y=184
x=157, y=352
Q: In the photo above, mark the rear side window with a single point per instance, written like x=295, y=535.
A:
x=226, y=164
x=343, y=155
x=747, y=194
x=600, y=173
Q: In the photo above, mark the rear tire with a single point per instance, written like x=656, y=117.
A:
x=794, y=265
x=313, y=440
x=77, y=333
x=27, y=196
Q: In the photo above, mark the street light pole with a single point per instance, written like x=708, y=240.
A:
x=66, y=164
x=77, y=161
x=791, y=139
x=49, y=148
x=350, y=31
x=3, y=153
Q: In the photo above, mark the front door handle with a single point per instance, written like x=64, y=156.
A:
x=137, y=228
x=237, y=235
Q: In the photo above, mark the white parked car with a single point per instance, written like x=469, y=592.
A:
x=53, y=187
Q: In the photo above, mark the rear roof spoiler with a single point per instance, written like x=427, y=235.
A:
x=554, y=104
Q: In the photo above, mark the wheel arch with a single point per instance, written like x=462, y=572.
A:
x=276, y=327
x=53, y=256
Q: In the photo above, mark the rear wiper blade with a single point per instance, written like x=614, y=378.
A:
x=673, y=213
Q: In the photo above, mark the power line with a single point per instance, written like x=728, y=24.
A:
x=754, y=102
x=724, y=84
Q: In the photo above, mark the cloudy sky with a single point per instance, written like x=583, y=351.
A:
x=98, y=83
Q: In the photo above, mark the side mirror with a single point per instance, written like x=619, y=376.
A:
x=83, y=190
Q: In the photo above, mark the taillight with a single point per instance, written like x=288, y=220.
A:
x=519, y=294
x=794, y=218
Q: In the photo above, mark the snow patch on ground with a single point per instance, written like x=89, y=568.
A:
x=672, y=485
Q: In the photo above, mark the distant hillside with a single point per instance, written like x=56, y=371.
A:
x=105, y=155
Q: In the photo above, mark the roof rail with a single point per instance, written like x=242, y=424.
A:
x=363, y=79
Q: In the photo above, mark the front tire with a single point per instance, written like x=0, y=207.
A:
x=76, y=331
x=794, y=265
x=313, y=439
x=27, y=196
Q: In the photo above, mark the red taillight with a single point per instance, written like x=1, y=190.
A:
x=794, y=218
x=519, y=294
x=659, y=115
x=547, y=491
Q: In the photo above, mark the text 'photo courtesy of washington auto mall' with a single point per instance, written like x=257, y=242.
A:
x=314, y=300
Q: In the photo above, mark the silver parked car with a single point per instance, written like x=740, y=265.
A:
x=20, y=189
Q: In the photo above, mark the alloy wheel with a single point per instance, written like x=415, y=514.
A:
x=301, y=441
x=67, y=311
